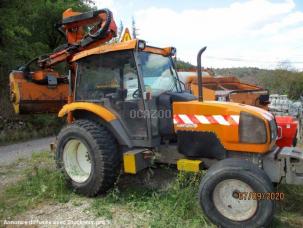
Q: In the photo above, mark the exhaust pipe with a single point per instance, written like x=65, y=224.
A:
x=199, y=71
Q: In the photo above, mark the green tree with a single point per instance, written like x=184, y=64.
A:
x=27, y=29
x=184, y=65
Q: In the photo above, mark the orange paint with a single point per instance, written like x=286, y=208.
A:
x=98, y=109
x=229, y=134
x=30, y=97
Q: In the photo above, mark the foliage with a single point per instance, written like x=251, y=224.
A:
x=280, y=81
x=290, y=210
x=29, y=127
x=27, y=29
x=176, y=206
x=182, y=65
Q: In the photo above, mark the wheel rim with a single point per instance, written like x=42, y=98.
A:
x=229, y=204
x=77, y=161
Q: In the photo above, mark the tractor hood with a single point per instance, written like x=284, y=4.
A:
x=235, y=125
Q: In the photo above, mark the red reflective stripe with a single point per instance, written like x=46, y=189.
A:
x=178, y=119
x=230, y=120
x=193, y=119
x=211, y=120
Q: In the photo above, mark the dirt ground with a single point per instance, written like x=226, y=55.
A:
x=78, y=210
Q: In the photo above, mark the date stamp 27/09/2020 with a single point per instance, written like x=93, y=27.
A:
x=278, y=196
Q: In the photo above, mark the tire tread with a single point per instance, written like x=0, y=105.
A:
x=105, y=150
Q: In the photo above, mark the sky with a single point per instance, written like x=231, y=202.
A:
x=244, y=33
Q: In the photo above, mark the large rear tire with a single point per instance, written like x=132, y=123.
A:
x=88, y=155
x=221, y=187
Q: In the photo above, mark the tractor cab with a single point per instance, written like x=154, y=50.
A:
x=138, y=84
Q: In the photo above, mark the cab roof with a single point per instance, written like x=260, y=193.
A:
x=112, y=47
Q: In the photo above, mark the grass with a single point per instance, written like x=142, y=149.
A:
x=290, y=210
x=175, y=205
x=41, y=183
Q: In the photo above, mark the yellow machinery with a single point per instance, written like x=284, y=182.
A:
x=127, y=108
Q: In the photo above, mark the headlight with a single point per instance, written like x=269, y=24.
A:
x=252, y=129
x=273, y=130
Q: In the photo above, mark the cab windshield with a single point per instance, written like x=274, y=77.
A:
x=158, y=73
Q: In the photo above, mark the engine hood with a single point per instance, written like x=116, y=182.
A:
x=221, y=118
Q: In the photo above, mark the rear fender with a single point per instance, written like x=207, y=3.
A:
x=97, y=113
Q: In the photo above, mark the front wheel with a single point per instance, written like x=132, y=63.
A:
x=228, y=191
x=88, y=155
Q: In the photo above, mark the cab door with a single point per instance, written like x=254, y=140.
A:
x=111, y=80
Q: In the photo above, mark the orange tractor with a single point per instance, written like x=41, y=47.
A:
x=127, y=108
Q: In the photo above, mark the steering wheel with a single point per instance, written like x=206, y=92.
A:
x=136, y=93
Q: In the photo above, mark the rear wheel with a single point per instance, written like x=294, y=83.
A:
x=222, y=190
x=88, y=155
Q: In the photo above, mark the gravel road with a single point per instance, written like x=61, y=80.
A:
x=9, y=154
